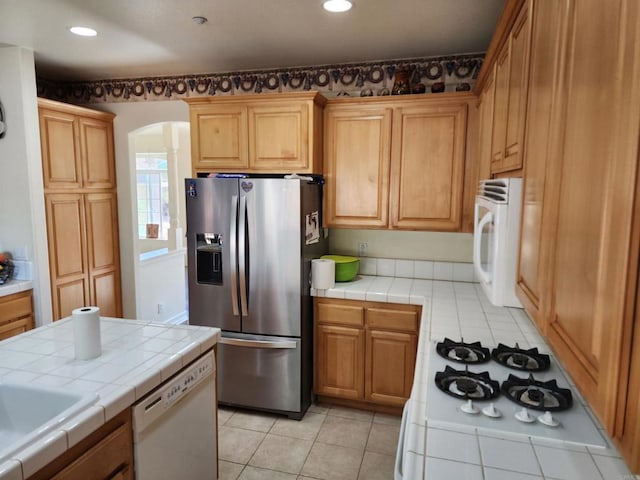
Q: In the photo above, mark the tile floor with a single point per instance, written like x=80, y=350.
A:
x=329, y=443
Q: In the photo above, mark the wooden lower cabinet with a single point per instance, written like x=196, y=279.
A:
x=340, y=368
x=106, y=454
x=365, y=351
x=389, y=366
x=16, y=314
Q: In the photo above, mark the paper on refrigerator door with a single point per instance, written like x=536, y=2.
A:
x=312, y=228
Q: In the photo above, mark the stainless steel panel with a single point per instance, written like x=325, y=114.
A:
x=256, y=376
x=274, y=263
x=209, y=210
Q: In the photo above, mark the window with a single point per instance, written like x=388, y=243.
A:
x=152, y=193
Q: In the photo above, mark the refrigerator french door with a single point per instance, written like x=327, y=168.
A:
x=249, y=260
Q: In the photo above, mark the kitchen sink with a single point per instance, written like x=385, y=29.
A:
x=29, y=412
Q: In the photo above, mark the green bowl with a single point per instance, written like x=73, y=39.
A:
x=346, y=267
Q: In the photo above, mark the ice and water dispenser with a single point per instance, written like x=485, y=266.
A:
x=209, y=258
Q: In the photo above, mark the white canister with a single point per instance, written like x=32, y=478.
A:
x=323, y=273
x=86, y=332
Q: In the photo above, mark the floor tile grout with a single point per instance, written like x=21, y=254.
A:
x=352, y=415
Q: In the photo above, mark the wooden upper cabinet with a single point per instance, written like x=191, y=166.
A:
x=279, y=137
x=61, y=163
x=535, y=237
x=98, y=161
x=518, y=84
x=219, y=137
x=278, y=133
x=485, y=132
x=427, y=170
x=77, y=147
x=500, y=109
x=356, y=169
x=396, y=163
x=510, y=97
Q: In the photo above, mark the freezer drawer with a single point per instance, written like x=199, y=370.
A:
x=259, y=371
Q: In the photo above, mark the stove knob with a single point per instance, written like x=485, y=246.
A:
x=523, y=416
x=548, y=420
x=491, y=411
x=469, y=408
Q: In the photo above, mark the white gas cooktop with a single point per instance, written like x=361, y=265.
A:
x=573, y=425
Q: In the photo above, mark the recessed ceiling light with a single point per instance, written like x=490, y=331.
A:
x=337, y=6
x=83, y=31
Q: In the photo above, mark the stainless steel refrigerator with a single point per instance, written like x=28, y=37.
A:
x=250, y=244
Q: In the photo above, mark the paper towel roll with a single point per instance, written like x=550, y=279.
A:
x=323, y=273
x=86, y=332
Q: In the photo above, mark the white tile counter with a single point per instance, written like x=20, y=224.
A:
x=15, y=286
x=460, y=309
x=136, y=357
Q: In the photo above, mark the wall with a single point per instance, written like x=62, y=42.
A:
x=131, y=116
x=22, y=211
x=162, y=296
x=445, y=247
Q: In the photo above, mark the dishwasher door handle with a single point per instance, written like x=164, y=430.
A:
x=237, y=342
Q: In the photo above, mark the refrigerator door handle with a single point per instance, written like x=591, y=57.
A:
x=234, y=254
x=256, y=343
x=242, y=255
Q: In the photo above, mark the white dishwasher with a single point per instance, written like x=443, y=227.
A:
x=174, y=426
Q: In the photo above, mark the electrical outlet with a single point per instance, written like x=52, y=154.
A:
x=362, y=249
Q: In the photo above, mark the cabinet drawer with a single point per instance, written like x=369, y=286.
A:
x=392, y=319
x=15, y=306
x=340, y=314
x=108, y=459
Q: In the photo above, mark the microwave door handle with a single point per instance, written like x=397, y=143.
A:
x=233, y=252
x=242, y=255
x=477, y=238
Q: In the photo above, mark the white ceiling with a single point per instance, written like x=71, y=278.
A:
x=142, y=38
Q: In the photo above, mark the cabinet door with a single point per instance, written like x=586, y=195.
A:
x=98, y=162
x=500, y=110
x=67, y=253
x=357, y=147
x=596, y=156
x=339, y=361
x=486, y=126
x=518, y=83
x=219, y=138
x=103, y=259
x=427, y=166
x=16, y=314
x=279, y=137
x=60, y=150
x=535, y=244
x=389, y=366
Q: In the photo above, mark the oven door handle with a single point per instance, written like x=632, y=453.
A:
x=485, y=277
x=398, y=473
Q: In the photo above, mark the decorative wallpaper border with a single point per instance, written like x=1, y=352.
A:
x=431, y=74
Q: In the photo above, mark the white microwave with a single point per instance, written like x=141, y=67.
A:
x=495, y=239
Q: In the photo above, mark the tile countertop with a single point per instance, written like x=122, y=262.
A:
x=460, y=309
x=15, y=286
x=136, y=357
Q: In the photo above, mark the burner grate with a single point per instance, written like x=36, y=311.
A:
x=466, y=385
x=467, y=353
x=537, y=395
x=519, y=359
